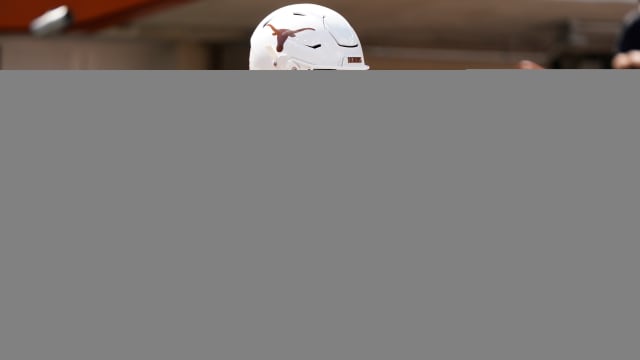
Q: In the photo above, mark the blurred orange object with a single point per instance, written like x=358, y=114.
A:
x=16, y=15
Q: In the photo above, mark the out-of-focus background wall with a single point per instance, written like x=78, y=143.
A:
x=398, y=34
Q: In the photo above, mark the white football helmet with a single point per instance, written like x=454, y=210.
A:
x=305, y=37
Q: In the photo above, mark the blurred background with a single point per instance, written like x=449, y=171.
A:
x=397, y=34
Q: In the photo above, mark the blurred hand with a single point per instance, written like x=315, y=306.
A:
x=628, y=60
x=529, y=65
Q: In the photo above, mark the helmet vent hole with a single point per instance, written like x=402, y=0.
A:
x=315, y=46
x=299, y=14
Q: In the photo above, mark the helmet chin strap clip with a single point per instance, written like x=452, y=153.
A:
x=284, y=62
x=278, y=60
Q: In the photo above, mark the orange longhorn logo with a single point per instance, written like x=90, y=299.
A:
x=283, y=34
